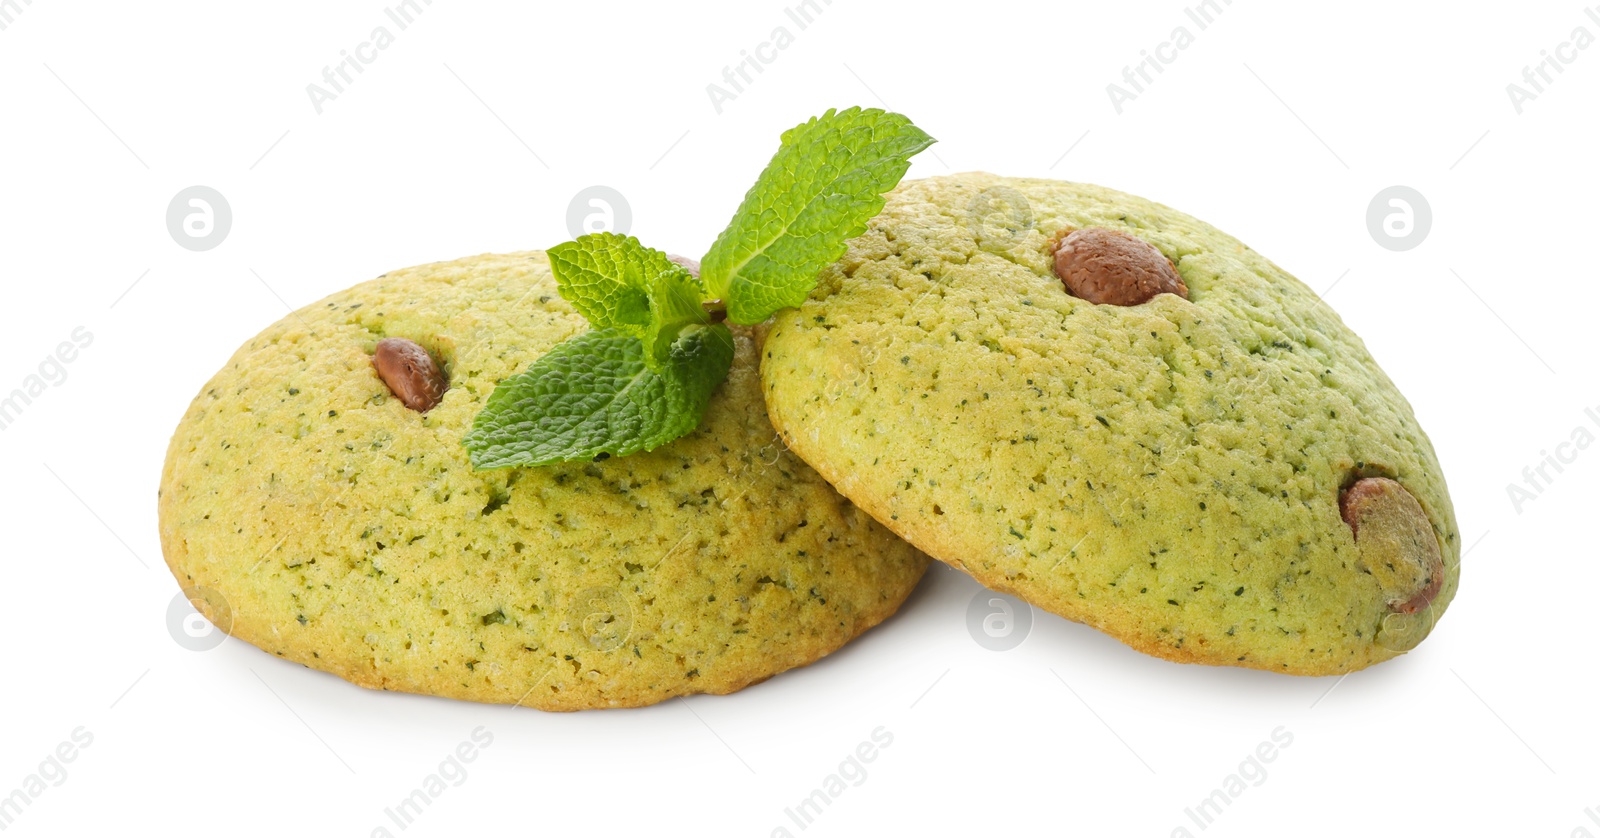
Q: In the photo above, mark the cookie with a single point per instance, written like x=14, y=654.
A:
x=331, y=524
x=1124, y=416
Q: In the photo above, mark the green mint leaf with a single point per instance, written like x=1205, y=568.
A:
x=826, y=181
x=615, y=282
x=594, y=394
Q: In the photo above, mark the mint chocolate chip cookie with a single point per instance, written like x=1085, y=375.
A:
x=1122, y=415
x=319, y=492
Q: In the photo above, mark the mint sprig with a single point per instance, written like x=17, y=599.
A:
x=826, y=181
x=644, y=376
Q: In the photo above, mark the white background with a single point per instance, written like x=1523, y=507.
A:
x=474, y=130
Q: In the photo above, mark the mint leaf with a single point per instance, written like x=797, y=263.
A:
x=615, y=282
x=826, y=181
x=594, y=394
x=644, y=376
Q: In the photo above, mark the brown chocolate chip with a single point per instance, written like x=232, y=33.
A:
x=692, y=265
x=1395, y=541
x=716, y=310
x=1114, y=268
x=411, y=373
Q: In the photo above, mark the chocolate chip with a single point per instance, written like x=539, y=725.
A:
x=411, y=373
x=1114, y=268
x=1395, y=541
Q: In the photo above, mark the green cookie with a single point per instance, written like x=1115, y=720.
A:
x=310, y=511
x=1169, y=471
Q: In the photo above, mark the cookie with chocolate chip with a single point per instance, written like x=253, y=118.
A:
x=317, y=502
x=1124, y=416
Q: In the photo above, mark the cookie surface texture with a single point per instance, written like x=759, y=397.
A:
x=1169, y=472
x=312, y=514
